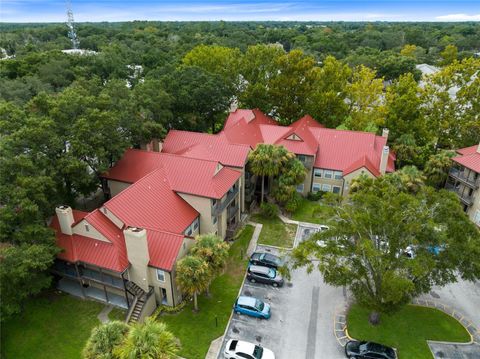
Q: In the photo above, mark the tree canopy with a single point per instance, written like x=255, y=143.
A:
x=370, y=233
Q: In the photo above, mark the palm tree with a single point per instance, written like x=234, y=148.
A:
x=437, y=166
x=104, y=339
x=411, y=177
x=193, y=276
x=149, y=340
x=213, y=250
x=267, y=160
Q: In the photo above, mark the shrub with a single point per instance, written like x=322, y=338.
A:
x=168, y=309
x=269, y=210
x=293, y=203
x=315, y=196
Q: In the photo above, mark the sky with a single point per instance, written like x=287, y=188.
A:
x=240, y=10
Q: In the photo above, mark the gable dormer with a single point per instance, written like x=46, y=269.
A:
x=86, y=229
x=294, y=137
x=218, y=168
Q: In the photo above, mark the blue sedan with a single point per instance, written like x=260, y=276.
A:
x=252, y=306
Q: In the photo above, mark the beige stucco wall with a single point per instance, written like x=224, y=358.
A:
x=307, y=183
x=138, y=256
x=204, y=206
x=169, y=278
x=148, y=308
x=157, y=285
x=116, y=187
x=475, y=206
x=112, y=217
x=91, y=233
x=348, y=178
x=330, y=181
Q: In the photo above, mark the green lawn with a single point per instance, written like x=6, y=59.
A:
x=407, y=330
x=275, y=232
x=117, y=314
x=313, y=212
x=52, y=326
x=197, y=330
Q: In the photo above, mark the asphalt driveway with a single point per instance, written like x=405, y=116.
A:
x=301, y=323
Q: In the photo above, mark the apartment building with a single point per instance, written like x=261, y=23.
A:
x=333, y=158
x=125, y=252
x=159, y=199
x=464, y=180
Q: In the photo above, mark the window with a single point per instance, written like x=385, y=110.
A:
x=337, y=175
x=328, y=174
x=476, y=218
x=300, y=188
x=326, y=187
x=195, y=225
x=316, y=187
x=214, y=220
x=87, y=227
x=214, y=202
x=336, y=189
x=160, y=275
x=302, y=158
x=318, y=172
x=189, y=230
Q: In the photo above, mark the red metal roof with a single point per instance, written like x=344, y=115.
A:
x=185, y=174
x=333, y=149
x=469, y=157
x=340, y=149
x=363, y=161
x=163, y=248
x=206, y=146
x=77, y=248
x=254, y=117
x=151, y=203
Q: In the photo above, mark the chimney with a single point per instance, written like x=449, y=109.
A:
x=478, y=148
x=65, y=218
x=157, y=145
x=385, y=133
x=138, y=256
x=384, y=159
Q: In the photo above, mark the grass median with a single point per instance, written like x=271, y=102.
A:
x=312, y=212
x=275, y=232
x=407, y=330
x=197, y=330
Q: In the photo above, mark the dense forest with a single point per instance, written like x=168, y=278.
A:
x=65, y=119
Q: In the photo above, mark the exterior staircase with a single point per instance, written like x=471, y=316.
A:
x=140, y=297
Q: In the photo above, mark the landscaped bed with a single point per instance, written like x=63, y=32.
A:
x=407, y=330
x=275, y=232
x=52, y=326
x=197, y=330
x=312, y=212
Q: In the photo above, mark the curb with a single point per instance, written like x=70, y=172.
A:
x=471, y=329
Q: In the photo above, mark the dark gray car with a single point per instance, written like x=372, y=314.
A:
x=263, y=274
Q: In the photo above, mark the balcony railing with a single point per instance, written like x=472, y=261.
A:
x=220, y=206
x=232, y=211
x=466, y=199
x=460, y=176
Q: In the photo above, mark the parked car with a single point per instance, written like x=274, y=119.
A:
x=360, y=350
x=238, y=349
x=252, y=306
x=266, y=259
x=263, y=274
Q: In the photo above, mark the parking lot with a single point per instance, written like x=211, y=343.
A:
x=302, y=314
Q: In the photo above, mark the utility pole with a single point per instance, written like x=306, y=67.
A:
x=71, y=28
